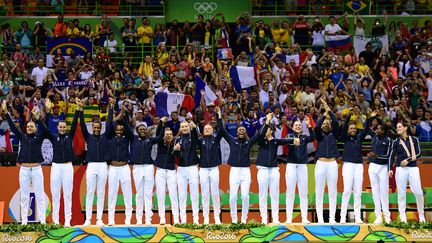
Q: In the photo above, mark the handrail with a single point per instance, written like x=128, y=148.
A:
x=338, y=9
x=98, y=9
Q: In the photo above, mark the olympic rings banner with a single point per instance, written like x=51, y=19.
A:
x=190, y=9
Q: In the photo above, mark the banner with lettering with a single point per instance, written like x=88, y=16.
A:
x=60, y=84
x=66, y=45
x=80, y=83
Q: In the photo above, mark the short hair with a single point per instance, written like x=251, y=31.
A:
x=404, y=123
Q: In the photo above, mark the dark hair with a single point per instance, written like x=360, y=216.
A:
x=384, y=127
x=404, y=123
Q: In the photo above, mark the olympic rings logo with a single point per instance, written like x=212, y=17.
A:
x=205, y=7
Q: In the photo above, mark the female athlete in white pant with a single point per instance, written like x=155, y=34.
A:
x=166, y=177
x=407, y=150
x=30, y=173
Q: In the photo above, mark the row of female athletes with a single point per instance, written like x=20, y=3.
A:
x=113, y=145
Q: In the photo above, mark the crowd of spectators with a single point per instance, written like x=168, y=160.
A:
x=397, y=84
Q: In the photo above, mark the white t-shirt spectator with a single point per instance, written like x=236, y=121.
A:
x=318, y=38
x=111, y=45
x=332, y=29
x=263, y=96
x=39, y=74
x=304, y=97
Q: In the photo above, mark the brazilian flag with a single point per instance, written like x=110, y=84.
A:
x=89, y=110
x=359, y=6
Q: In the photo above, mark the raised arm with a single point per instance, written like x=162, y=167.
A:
x=335, y=124
x=194, y=133
x=109, y=127
x=83, y=125
x=318, y=127
x=74, y=124
x=366, y=129
x=127, y=127
x=345, y=128
x=311, y=136
x=13, y=127
x=45, y=131
x=160, y=131
x=219, y=132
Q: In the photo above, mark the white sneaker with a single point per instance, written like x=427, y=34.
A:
x=148, y=222
x=378, y=221
x=403, y=220
x=42, y=222
x=332, y=221
x=111, y=222
x=87, y=222
x=263, y=221
x=276, y=222
x=288, y=221
x=206, y=220
x=422, y=219
x=358, y=221
x=305, y=221
x=387, y=220
x=128, y=220
x=139, y=222
x=217, y=220
x=342, y=221
x=234, y=221
x=67, y=224
x=24, y=223
x=320, y=221
x=56, y=222
x=162, y=221
x=244, y=221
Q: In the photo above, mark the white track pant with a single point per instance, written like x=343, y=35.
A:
x=119, y=175
x=296, y=174
x=239, y=177
x=185, y=176
x=268, y=178
x=209, y=180
x=379, y=179
x=326, y=171
x=32, y=176
x=411, y=174
x=144, y=182
x=62, y=178
x=352, y=174
x=167, y=178
x=96, y=176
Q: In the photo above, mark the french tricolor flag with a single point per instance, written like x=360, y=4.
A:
x=169, y=102
x=209, y=95
x=338, y=42
x=242, y=77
